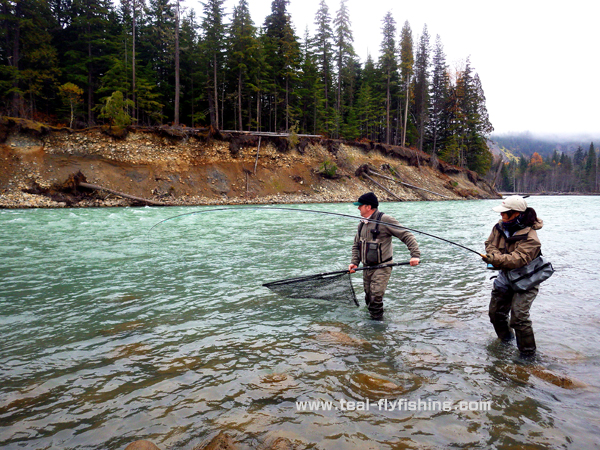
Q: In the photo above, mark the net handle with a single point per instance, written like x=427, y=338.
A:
x=339, y=272
x=381, y=266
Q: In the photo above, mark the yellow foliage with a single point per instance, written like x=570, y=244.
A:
x=536, y=160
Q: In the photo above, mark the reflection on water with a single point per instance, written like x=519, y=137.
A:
x=111, y=334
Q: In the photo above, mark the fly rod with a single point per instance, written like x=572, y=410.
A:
x=277, y=208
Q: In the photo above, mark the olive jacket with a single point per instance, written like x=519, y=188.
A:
x=513, y=252
x=384, y=238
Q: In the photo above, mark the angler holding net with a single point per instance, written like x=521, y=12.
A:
x=373, y=246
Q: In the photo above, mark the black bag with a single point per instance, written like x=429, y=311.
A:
x=526, y=277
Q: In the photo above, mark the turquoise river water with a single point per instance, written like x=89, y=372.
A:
x=111, y=333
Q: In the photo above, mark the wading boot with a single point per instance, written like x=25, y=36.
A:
x=526, y=344
x=376, y=308
x=503, y=332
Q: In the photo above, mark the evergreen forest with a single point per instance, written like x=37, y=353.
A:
x=80, y=63
x=556, y=172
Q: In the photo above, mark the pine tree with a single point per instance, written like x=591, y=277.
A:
x=345, y=65
x=365, y=109
x=406, y=72
x=282, y=51
x=369, y=101
x=323, y=49
x=29, y=69
x=213, y=27
x=71, y=96
x=177, y=64
x=128, y=13
x=388, y=64
x=591, y=167
x=147, y=97
x=310, y=91
x=291, y=56
x=191, y=67
x=421, y=86
x=259, y=79
x=88, y=44
x=469, y=123
x=242, y=49
x=116, y=110
x=440, y=83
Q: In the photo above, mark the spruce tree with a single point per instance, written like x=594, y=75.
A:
x=469, y=123
x=310, y=91
x=29, y=70
x=440, y=83
x=282, y=51
x=259, y=80
x=370, y=99
x=591, y=167
x=421, y=86
x=389, y=65
x=242, y=49
x=406, y=73
x=323, y=49
x=346, y=63
x=88, y=44
x=191, y=67
x=157, y=48
x=213, y=42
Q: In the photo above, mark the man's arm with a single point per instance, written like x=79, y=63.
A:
x=406, y=237
x=355, y=261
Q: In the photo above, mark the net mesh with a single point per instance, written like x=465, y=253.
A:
x=332, y=287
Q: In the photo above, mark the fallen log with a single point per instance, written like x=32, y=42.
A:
x=257, y=151
x=382, y=187
x=120, y=194
x=270, y=134
x=371, y=171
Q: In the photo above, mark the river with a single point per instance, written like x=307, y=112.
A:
x=112, y=333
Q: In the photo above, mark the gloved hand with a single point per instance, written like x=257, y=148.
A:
x=487, y=258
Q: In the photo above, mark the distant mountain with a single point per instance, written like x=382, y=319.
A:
x=527, y=144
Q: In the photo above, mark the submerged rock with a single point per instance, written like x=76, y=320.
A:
x=142, y=445
x=522, y=374
x=274, y=378
x=339, y=337
x=221, y=441
x=280, y=443
x=372, y=386
x=122, y=327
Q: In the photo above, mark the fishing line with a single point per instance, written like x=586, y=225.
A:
x=277, y=208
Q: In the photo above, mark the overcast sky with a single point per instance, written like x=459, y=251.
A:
x=538, y=61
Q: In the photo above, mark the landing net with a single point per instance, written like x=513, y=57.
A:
x=336, y=287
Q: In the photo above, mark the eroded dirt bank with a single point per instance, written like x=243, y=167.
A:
x=192, y=167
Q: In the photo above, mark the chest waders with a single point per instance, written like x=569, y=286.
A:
x=370, y=249
x=374, y=281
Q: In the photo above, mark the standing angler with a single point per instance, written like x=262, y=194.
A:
x=513, y=243
x=373, y=246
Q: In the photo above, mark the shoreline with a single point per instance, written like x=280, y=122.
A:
x=24, y=200
x=92, y=169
